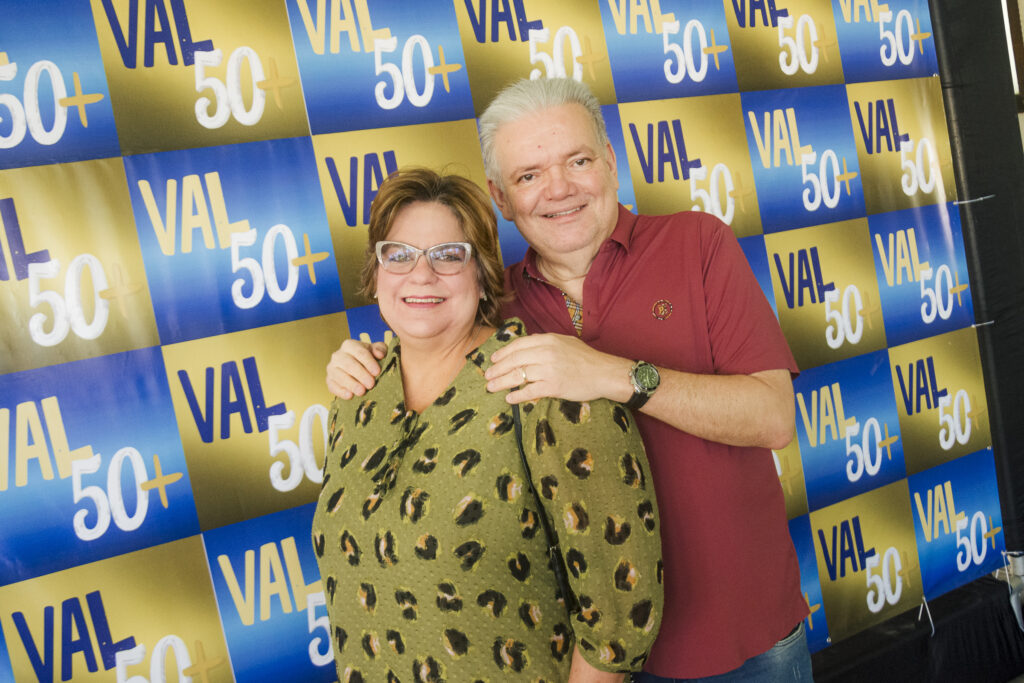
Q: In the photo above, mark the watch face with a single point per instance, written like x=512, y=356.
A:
x=647, y=376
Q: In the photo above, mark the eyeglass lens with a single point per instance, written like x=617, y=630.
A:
x=445, y=259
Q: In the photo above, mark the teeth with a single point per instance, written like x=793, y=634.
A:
x=423, y=300
x=562, y=213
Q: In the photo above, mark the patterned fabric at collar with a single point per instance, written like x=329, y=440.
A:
x=478, y=357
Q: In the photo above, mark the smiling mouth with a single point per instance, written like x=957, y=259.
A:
x=423, y=300
x=567, y=212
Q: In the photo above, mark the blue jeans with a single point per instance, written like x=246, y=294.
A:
x=788, y=660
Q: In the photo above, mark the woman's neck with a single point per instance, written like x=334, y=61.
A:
x=430, y=366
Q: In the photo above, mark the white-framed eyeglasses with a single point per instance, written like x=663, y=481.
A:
x=399, y=258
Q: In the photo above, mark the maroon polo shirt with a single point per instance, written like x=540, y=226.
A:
x=678, y=292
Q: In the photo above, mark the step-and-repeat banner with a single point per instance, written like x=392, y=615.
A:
x=184, y=192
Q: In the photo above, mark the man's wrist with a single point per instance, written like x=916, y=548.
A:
x=645, y=380
x=620, y=388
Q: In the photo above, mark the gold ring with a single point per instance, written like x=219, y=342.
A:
x=522, y=371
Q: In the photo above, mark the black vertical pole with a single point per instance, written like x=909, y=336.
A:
x=984, y=133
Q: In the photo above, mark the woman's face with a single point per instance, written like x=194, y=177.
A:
x=422, y=304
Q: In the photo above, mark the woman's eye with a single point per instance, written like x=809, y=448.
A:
x=449, y=255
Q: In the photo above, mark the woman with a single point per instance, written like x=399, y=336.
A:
x=431, y=551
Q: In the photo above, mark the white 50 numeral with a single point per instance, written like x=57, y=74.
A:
x=955, y=426
x=820, y=189
x=403, y=79
x=554, y=64
x=68, y=312
x=316, y=656
x=937, y=301
x=845, y=324
x=795, y=55
x=157, y=671
x=684, y=53
x=110, y=503
x=301, y=457
x=914, y=169
x=720, y=189
x=264, y=272
x=228, y=96
x=971, y=550
x=880, y=587
x=864, y=458
x=27, y=117
x=898, y=48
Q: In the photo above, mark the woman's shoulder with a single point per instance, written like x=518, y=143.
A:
x=361, y=408
x=511, y=328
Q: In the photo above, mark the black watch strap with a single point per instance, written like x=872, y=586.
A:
x=637, y=400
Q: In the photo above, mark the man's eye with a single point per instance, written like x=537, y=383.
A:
x=526, y=177
x=582, y=162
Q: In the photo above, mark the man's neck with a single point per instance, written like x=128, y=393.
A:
x=567, y=273
x=568, y=270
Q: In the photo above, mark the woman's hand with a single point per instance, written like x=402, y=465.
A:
x=353, y=368
x=582, y=671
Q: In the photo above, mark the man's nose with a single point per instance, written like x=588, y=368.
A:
x=559, y=183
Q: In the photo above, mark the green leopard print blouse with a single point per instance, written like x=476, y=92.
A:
x=431, y=554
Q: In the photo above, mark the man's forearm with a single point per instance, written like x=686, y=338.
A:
x=738, y=410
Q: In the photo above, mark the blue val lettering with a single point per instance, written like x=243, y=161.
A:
x=829, y=552
x=259, y=403
x=71, y=615
x=204, y=421
x=108, y=648
x=231, y=385
x=20, y=259
x=42, y=665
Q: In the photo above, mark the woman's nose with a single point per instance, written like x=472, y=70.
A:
x=423, y=270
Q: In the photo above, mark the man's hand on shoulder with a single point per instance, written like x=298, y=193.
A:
x=557, y=366
x=353, y=368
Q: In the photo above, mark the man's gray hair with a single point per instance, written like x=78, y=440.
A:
x=525, y=97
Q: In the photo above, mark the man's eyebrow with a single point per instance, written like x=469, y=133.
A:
x=520, y=170
x=582, y=150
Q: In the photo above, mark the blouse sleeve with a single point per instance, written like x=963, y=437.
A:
x=588, y=463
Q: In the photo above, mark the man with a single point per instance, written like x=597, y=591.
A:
x=663, y=314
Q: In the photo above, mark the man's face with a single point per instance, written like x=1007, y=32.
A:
x=560, y=186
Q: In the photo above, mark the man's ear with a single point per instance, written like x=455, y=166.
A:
x=500, y=199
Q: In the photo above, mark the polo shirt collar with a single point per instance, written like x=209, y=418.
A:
x=623, y=233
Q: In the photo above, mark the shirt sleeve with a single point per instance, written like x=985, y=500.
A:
x=588, y=463
x=745, y=334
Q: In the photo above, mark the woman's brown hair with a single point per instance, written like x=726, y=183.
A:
x=472, y=208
